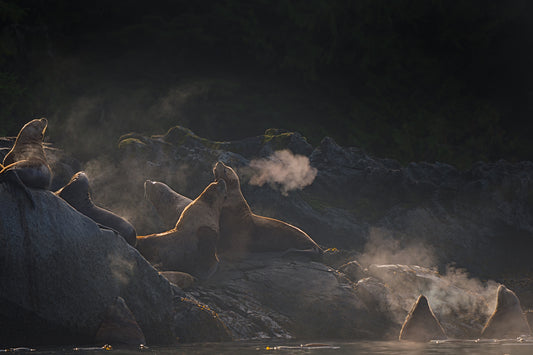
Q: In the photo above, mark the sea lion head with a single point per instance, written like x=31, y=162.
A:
x=506, y=298
x=157, y=191
x=76, y=190
x=33, y=130
x=226, y=173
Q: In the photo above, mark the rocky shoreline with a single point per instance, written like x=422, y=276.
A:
x=392, y=232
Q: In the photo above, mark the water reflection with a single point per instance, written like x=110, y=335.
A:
x=521, y=346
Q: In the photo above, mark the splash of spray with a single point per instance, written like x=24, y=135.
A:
x=283, y=170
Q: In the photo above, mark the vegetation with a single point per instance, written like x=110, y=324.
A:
x=407, y=79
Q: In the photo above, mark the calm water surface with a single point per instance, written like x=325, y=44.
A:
x=510, y=347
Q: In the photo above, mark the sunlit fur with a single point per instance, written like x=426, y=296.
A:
x=191, y=246
x=242, y=231
x=27, y=156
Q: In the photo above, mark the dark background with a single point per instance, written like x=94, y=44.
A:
x=447, y=81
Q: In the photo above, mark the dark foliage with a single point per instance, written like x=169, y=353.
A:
x=409, y=79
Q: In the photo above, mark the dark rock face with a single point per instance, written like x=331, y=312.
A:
x=60, y=272
x=119, y=326
x=266, y=296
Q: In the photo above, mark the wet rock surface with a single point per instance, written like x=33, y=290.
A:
x=267, y=296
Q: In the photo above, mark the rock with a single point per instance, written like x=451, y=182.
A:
x=353, y=270
x=119, y=326
x=196, y=322
x=60, y=271
x=267, y=296
x=421, y=325
x=507, y=320
x=180, y=279
x=478, y=219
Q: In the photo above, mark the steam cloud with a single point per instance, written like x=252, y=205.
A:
x=382, y=248
x=283, y=169
x=453, y=295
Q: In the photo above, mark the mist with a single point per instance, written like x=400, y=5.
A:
x=410, y=269
x=283, y=171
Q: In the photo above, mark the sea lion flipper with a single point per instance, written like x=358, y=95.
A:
x=11, y=177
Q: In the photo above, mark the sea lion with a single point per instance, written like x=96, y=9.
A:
x=76, y=193
x=242, y=231
x=119, y=326
x=25, y=165
x=421, y=325
x=507, y=320
x=27, y=157
x=529, y=317
x=191, y=246
x=168, y=203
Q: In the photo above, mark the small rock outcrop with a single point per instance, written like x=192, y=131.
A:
x=119, y=326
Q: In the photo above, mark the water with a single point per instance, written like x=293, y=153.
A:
x=491, y=347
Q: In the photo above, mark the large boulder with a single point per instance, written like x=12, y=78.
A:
x=60, y=272
x=267, y=296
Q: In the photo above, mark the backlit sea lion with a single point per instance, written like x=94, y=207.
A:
x=76, y=193
x=242, y=231
x=191, y=246
x=168, y=203
x=25, y=164
x=27, y=157
x=507, y=320
x=421, y=325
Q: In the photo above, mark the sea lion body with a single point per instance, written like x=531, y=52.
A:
x=421, y=325
x=76, y=193
x=191, y=246
x=507, y=320
x=27, y=157
x=242, y=231
x=168, y=203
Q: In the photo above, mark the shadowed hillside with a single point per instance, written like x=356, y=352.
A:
x=411, y=80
